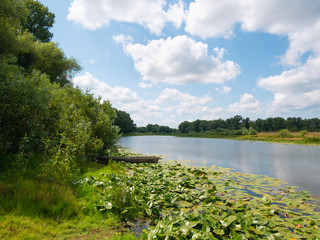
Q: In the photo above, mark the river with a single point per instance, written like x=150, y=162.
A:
x=296, y=164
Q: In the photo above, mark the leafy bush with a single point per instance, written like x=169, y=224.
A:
x=244, y=131
x=67, y=125
x=303, y=133
x=284, y=133
x=252, y=131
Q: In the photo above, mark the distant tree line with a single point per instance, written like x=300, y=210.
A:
x=155, y=128
x=236, y=125
x=239, y=124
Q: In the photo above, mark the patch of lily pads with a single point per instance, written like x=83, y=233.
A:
x=207, y=203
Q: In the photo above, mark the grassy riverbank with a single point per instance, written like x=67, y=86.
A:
x=170, y=201
x=36, y=208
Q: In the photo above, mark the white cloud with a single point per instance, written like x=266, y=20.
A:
x=167, y=108
x=218, y=18
x=296, y=89
x=247, y=104
x=176, y=95
x=302, y=42
x=176, y=102
x=122, y=39
x=207, y=18
x=223, y=89
x=145, y=85
x=180, y=60
x=118, y=95
x=151, y=14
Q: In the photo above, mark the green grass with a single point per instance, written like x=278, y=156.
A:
x=34, y=208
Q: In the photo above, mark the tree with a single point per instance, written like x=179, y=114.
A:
x=184, y=127
x=19, y=40
x=38, y=21
x=12, y=12
x=124, y=122
x=235, y=122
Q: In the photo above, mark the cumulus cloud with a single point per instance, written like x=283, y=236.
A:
x=295, y=89
x=186, y=99
x=302, y=42
x=122, y=39
x=116, y=94
x=206, y=18
x=152, y=14
x=165, y=108
x=247, y=104
x=180, y=60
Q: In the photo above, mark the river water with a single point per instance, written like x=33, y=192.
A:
x=296, y=164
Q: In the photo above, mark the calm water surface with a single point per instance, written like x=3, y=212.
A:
x=296, y=164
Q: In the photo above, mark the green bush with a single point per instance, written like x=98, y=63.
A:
x=252, y=131
x=244, y=131
x=284, y=133
x=303, y=133
x=68, y=126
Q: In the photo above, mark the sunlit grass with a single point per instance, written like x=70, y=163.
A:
x=34, y=208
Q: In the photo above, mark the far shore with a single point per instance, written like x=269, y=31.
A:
x=309, y=139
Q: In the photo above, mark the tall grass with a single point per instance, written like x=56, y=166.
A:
x=33, y=207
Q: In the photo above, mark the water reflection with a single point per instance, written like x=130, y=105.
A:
x=298, y=165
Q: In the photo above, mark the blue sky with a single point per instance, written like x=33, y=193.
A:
x=168, y=61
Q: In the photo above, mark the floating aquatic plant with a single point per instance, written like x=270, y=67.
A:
x=208, y=203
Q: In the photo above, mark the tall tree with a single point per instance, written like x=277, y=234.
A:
x=12, y=12
x=38, y=21
x=124, y=122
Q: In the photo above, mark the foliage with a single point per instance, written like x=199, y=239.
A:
x=11, y=14
x=252, y=131
x=24, y=108
x=259, y=125
x=38, y=21
x=284, y=133
x=68, y=125
x=124, y=122
x=206, y=203
x=33, y=208
x=156, y=129
x=23, y=22
x=303, y=133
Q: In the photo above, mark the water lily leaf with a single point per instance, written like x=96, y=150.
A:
x=219, y=232
x=107, y=205
x=227, y=221
x=185, y=230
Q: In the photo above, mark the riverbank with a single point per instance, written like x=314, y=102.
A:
x=168, y=199
x=32, y=207
x=311, y=138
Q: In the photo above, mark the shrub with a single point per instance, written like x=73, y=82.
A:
x=244, y=131
x=68, y=126
x=303, y=133
x=284, y=133
x=252, y=131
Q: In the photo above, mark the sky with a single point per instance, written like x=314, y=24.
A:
x=169, y=61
